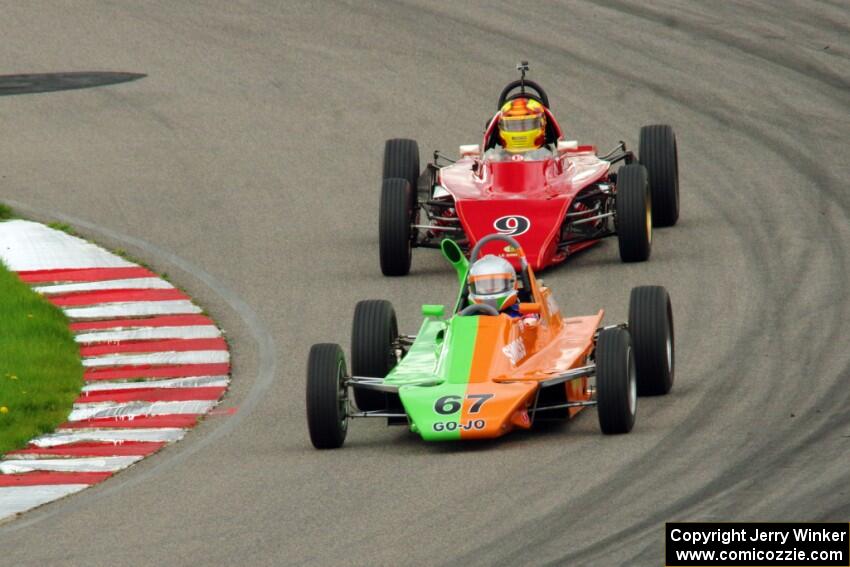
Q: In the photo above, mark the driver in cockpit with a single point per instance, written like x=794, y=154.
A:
x=522, y=132
x=492, y=281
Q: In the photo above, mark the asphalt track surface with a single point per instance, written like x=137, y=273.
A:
x=246, y=165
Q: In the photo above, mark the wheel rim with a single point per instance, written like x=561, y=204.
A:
x=632, y=382
x=676, y=168
x=648, y=217
x=671, y=341
x=342, y=398
x=393, y=357
x=414, y=220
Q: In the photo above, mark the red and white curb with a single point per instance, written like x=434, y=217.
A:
x=153, y=364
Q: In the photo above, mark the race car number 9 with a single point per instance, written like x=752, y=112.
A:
x=512, y=225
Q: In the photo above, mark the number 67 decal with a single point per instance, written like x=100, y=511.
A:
x=451, y=404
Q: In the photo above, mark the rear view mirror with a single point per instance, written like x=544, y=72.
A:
x=470, y=150
x=433, y=311
x=567, y=145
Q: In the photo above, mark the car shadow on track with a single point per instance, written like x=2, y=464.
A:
x=406, y=441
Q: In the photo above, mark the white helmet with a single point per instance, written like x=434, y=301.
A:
x=492, y=281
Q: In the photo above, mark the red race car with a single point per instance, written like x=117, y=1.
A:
x=556, y=200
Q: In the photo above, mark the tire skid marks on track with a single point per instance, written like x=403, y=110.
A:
x=153, y=365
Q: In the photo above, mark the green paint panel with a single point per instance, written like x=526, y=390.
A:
x=455, y=365
x=443, y=370
x=419, y=403
x=420, y=363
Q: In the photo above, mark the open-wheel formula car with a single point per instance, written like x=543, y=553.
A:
x=480, y=374
x=555, y=202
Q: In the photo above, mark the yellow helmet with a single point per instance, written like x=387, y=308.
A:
x=522, y=125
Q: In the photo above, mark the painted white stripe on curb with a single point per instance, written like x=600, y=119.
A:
x=69, y=436
x=149, y=333
x=133, y=309
x=87, y=464
x=17, y=499
x=134, y=283
x=159, y=358
x=139, y=409
x=193, y=382
x=32, y=246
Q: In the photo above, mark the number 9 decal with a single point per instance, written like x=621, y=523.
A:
x=512, y=225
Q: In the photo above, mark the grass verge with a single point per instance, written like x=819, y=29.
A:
x=40, y=370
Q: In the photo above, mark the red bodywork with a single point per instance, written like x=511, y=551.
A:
x=485, y=191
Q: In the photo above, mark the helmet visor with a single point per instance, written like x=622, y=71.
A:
x=492, y=284
x=521, y=124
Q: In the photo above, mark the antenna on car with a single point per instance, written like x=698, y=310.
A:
x=522, y=68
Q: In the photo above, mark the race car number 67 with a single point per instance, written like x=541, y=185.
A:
x=512, y=225
x=448, y=405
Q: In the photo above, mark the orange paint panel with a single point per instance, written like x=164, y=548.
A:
x=568, y=349
x=489, y=358
x=488, y=408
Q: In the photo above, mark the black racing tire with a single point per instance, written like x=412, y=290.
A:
x=327, y=403
x=634, y=213
x=401, y=160
x=616, y=382
x=658, y=153
x=394, y=227
x=373, y=332
x=651, y=327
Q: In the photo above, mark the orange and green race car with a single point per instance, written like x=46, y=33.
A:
x=479, y=374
